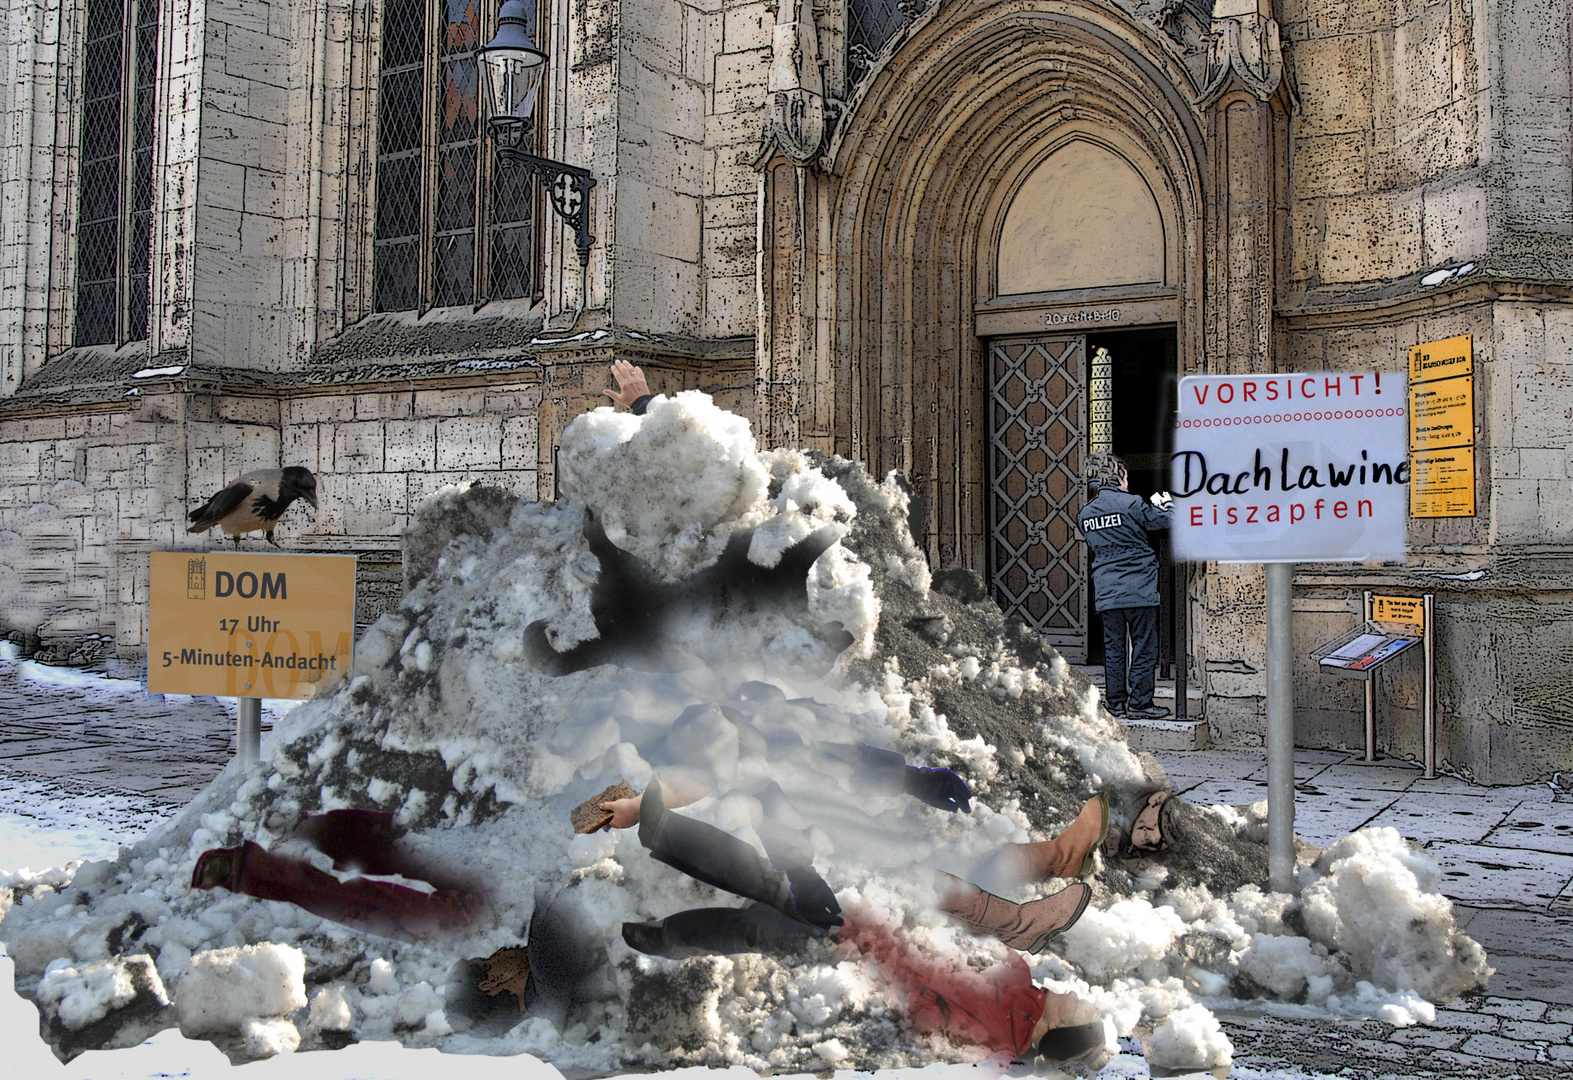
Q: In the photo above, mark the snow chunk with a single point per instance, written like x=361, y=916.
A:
x=267, y=1037
x=667, y=486
x=383, y=980
x=839, y=590
x=330, y=1011
x=1379, y=902
x=222, y=988
x=1291, y=967
x=1128, y=936
x=81, y=996
x=1190, y=1039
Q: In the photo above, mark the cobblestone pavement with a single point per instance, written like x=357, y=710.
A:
x=1507, y=863
x=1506, y=856
x=107, y=732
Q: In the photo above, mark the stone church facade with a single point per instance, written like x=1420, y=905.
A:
x=964, y=240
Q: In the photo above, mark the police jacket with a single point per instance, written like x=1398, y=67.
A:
x=1124, y=565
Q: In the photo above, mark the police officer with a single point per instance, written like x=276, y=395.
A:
x=1115, y=525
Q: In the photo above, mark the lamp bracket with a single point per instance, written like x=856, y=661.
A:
x=567, y=187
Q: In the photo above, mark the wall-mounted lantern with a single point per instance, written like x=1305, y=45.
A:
x=511, y=71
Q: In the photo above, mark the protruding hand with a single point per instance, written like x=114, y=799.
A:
x=940, y=788
x=631, y=385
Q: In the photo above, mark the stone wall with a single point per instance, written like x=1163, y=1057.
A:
x=1500, y=578
x=1387, y=145
x=690, y=96
x=240, y=242
x=1431, y=133
x=86, y=493
x=33, y=109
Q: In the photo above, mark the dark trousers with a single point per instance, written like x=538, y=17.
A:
x=1141, y=623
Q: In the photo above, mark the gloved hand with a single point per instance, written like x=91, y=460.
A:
x=940, y=788
x=1162, y=500
x=812, y=899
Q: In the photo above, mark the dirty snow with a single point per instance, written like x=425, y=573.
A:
x=450, y=724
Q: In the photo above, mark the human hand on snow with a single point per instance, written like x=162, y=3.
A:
x=940, y=788
x=684, y=786
x=1162, y=500
x=631, y=385
x=625, y=812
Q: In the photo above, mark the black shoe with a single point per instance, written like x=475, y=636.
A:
x=646, y=937
x=1147, y=712
x=1116, y=711
x=812, y=899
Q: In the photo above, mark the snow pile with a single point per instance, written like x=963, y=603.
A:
x=694, y=608
x=1379, y=902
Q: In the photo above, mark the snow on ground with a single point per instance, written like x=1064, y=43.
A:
x=47, y=823
x=472, y=719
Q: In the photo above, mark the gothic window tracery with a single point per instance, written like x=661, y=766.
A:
x=115, y=191
x=451, y=228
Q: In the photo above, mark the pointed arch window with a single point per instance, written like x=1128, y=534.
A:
x=115, y=192
x=451, y=228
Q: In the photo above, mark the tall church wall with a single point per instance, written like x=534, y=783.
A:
x=1385, y=174
x=691, y=92
x=1438, y=135
x=242, y=175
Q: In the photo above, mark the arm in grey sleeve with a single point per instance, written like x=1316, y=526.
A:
x=1153, y=518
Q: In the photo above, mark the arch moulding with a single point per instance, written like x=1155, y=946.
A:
x=875, y=270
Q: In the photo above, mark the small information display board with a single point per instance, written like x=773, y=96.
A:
x=1392, y=625
x=1361, y=651
x=249, y=626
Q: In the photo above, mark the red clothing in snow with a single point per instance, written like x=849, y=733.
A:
x=377, y=907
x=994, y=1009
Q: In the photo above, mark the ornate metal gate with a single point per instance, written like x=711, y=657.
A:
x=1036, y=416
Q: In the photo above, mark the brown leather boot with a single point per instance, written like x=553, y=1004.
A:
x=1070, y=853
x=1021, y=926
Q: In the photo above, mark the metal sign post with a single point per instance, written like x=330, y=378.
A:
x=1280, y=729
x=248, y=736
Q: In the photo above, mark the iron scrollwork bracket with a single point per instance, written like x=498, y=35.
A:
x=566, y=186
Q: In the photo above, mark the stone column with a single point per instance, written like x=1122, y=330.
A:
x=789, y=200
x=1247, y=102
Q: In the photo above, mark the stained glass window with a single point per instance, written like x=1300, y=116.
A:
x=452, y=229
x=115, y=193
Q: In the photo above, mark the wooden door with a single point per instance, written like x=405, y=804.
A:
x=1037, y=416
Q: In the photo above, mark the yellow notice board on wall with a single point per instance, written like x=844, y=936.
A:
x=1442, y=428
x=242, y=625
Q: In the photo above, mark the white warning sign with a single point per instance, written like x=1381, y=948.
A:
x=1301, y=467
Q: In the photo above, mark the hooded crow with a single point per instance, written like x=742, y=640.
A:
x=255, y=501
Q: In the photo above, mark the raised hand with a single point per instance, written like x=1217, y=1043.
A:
x=631, y=385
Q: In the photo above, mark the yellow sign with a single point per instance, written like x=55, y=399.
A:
x=1409, y=610
x=1442, y=428
x=1442, y=414
x=1442, y=483
x=1445, y=359
x=275, y=626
